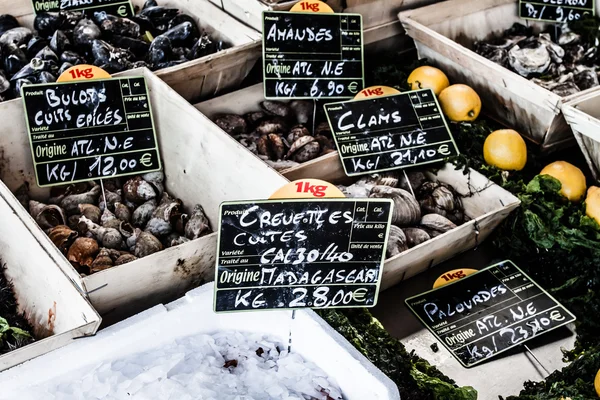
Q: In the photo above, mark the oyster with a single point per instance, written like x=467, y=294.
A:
x=529, y=57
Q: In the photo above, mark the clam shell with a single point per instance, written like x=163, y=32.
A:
x=277, y=108
x=396, y=242
x=415, y=236
x=406, y=208
x=297, y=132
x=304, y=149
x=272, y=146
x=436, y=225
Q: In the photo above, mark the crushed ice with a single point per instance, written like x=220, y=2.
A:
x=222, y=366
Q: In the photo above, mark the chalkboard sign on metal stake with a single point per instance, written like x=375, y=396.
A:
x=312, y=55
x=93, y=129
x=300, y=253
x=559, y=12
x=383, y=133
x=119, y=8
x=488, y=312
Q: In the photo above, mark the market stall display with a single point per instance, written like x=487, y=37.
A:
x=447, y=35
x=40, y=309
x=180, y=40
x=116, y=357
x=196, y=174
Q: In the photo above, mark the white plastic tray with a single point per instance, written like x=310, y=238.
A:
x=192, y=314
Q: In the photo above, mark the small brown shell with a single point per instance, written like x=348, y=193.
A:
x=51, y=216
x=277, y=108
x=436, y=225
x=254, y=118
x=157, y=180
x=62, y=236
x=406, y=208
x=323, y=129
x=91, y=212
x=396, y=242
x=198, y=225
x=101, y=262
x=71, y=202
x=122, y=212
x=74, y=224
x=35, y=207
x=111, y=199
x=271, y=146
x=415, y=236
x=303, y=109
x=272, y=125
x=109, y=219
x=125, y=258
x=233, y=124
x=297, y=132
x=83, y=251
x=147, y=244
x=304, y=149
x=143, y=213
x=138, y=191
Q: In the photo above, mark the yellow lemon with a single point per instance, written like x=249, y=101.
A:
x=428, y=78
x=571, y=178
x=460, y=103
x=505, y=149
x=592, y=208
x=597, y=383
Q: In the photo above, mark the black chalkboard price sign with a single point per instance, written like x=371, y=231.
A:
x=312, y=55
x=558, y=11
x=323, y=253
x=80, y=131
x=119, y=8
x=488, y=313
x=390, y=132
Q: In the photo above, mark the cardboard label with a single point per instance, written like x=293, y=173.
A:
x=315, y=6
x=312, y=55
x=556, y=11
x=384, y=133
x=488, y=312
x=85, y=130
x=308, y=189
x=118, y=8
x=83, y=72
x=452, y=276
x=301, y=253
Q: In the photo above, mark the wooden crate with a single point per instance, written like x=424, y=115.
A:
x=201, y=164
x=198, y=79
x=487, y=209
x=56, y=310
x=444, y=34
x=583, y=115
x=380, y=12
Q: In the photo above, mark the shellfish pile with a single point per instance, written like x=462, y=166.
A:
x=280, y=133
x=561, y=62
x=97, y=230
x=156, y=37
x=423, y=209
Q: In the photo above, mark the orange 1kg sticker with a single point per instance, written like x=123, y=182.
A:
x=452, y=276
x=308, y=189
x=376, y=91
x=83, y=72
x=311, y=6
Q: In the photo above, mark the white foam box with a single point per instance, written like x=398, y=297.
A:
x=197, y=79
x=55, y=309
x=445, y=33
x=202, y=165
x=583, y=115
x=312, y=338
